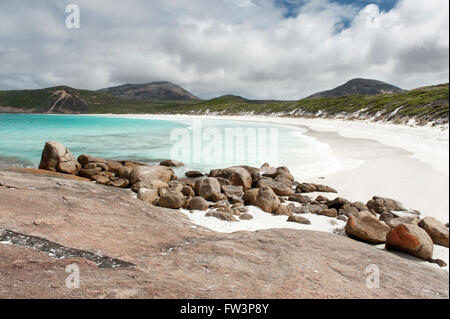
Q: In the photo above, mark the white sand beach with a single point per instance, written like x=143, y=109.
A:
x=406, y=163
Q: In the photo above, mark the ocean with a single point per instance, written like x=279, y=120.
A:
x=201, y=144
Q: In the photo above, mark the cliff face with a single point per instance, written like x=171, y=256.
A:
x=174, y=258
x=63, y=102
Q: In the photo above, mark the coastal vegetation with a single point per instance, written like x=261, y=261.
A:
x=424, y=105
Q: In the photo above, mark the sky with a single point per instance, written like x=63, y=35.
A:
x=259, y=49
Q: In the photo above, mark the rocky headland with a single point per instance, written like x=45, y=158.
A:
x=131, y=240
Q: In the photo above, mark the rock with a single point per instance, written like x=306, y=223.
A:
x=100, y=179
x=89, y=172
x=58, y=158
x=348, y=211
x=280, y=172
x=173, y=200
x=315, y=208
x=337, y=203
x=198, y=203
x=322, y=199
x=360, y=206
x=250, y=196
x=102, y=166
x=186, y=203
x=137, y=186
x=175, y=187
x=151, y=173
x=207, y=187
x=267, y=200
x=171, y=163
x=221, y=216
x=159, y=185
x=237, y=200
x=305, y=188
x=243, y=209
x=143, y=235
x=120, y=182
x=84, y=160
x=439, y=262
x=223, y=181
x=436, y=230
x=282, y=210
x=310, y=188
x=344, y=218
x=299, y=198
x=386, y=217
x=394, y=222
x=325, y=189
x=366, y=227
x=284, y=181
x=194, y=174
x=246, y=216
x=291, y=207
x=188, y=181
x=331, y=212
x=236, y=175
x=250, y=169
x=300, y=210
x=231, y=191
x=299, y=219
x=122, y=172
x=410, y=239
x=279, y=188
x=381, y=205
x=148, y=195
x=217, y=197
x=188, y=191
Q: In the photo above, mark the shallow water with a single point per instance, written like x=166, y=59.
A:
x=201, y=145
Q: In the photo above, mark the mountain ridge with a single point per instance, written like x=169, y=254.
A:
x=359, y=86
x=152, y=91
x=424, y=105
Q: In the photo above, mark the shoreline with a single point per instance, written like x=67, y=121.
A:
x=384, y=171
x=409, y=164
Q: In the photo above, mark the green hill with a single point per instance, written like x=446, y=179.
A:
x=425, y=104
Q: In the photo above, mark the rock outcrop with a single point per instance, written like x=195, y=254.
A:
x=176, y=260
x=58, y=158
x=236, y=175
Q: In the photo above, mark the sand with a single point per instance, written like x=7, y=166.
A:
x=406, y=163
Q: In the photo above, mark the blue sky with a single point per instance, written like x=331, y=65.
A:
x=292, y=6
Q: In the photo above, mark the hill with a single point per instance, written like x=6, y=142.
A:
x=360, y=87
x=64, y=99
x=155, y=91
x=423, y=105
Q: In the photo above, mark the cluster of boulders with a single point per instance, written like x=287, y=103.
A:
x=224, y=194
x=56, y=157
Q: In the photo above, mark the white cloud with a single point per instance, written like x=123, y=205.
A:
x=214, y=47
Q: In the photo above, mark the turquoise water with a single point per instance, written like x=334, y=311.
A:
x=149, y=141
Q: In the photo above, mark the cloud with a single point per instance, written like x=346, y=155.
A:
x=214, y=47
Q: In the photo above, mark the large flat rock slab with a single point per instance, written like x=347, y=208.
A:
x=177, y=259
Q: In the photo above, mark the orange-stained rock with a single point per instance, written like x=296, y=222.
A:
x=410, y=239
